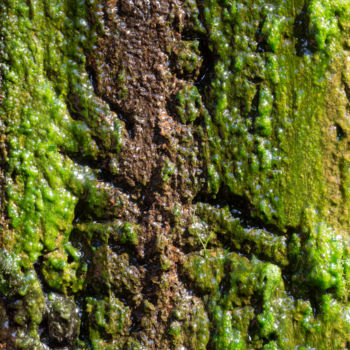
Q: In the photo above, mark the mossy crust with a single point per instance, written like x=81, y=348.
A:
x=174, y=174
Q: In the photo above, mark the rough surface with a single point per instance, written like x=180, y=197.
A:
x=175, y=174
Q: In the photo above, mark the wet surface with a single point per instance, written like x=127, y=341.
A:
x=161, y=226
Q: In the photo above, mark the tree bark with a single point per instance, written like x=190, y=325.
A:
x=175, y=174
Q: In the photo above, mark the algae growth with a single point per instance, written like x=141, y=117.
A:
x=175, y=174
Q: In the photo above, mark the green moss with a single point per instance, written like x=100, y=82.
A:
x=121, y=78
x=175, y=332
x=192, y=12
x=229, y=309
x=108, y=315
x=235, y=284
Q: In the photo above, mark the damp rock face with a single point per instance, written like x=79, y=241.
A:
x=63, y=319
x=174, y=174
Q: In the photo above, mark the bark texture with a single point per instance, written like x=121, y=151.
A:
x=175, y=174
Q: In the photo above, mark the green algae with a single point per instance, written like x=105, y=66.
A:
x=324, y=18
x=51, y=114
x=42, y=187
x=30, y=309
x=211, y=225
x=269, y=104
x=189, y=104
x=167, y=171
x=321, y=258
x=266, y=100
x=205, y=271
x=191, y=325
x=317, y=257
x=263, y=114
x=290, y=322
x=61, y=275
x=120, y=232
x=108, y=318
x=188, y=59
x=63, y=319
